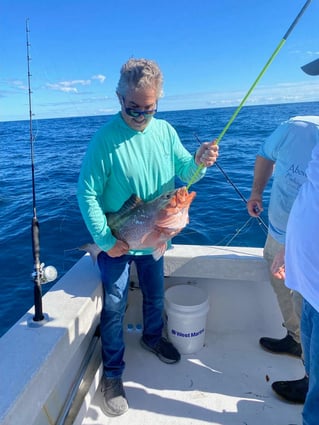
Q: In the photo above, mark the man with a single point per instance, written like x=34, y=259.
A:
x=301, y=270
x=285, y=155
x=133, y=153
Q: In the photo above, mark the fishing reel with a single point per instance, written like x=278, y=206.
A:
x=45, y=274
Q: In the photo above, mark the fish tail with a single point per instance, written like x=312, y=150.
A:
x=92, y=249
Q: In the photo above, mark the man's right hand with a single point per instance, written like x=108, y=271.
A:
x=120, y=248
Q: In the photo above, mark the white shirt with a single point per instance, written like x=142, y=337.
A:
x=302, y=239
x=290, y=147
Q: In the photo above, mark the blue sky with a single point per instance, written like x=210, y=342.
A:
x=210, y=52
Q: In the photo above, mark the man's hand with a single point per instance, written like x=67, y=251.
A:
x=207, y=154
x=278, y=265
x=120, y=248
x=255, y=207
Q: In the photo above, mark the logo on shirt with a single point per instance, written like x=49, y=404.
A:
x=294, y=169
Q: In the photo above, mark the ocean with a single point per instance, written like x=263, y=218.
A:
x=218, y=214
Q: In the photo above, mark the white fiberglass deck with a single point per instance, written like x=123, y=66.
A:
x=228, y=382
x=47, y=370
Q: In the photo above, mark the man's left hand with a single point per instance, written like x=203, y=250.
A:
x=207, y=154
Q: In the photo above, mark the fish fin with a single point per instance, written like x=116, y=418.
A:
x=92, y=249
x=132, y=202
x=150, y=238
x=168, y=232
x=159, y=252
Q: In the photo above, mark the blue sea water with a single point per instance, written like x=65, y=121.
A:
x=218, y=214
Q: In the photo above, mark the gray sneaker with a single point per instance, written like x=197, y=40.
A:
x=114, y=400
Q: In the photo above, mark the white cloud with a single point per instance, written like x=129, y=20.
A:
x=311, y=53
x=68, y=86
x=61, y=87
x=18, y=84
x=77, y=82
x=304, y=91
x=101, y=78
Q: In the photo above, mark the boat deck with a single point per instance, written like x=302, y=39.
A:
x=227, y=382
x=50, y=372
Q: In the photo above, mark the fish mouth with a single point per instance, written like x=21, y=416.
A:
x=179, y=202
x=184, y=198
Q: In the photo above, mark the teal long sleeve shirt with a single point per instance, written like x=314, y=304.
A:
x=121, y=161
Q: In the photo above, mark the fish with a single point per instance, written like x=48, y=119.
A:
x=149, y=224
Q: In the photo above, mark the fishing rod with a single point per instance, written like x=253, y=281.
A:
x=259, y=219
x=262, y=72
x=40, y=273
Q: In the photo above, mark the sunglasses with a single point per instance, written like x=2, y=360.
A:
x=135, y=114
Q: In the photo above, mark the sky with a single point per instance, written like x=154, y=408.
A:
x=210, y=52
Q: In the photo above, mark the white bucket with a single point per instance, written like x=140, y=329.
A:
x=186, y=308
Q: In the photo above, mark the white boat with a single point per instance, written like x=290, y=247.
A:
x=50, y=372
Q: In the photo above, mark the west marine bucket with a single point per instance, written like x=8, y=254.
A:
x=186, y=308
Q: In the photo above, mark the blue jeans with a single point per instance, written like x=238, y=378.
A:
x=115, y=274
x=310, y=343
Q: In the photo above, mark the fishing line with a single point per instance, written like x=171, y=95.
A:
x=239, y=231
x=262, y=72
x=260, y=220
x=221, y=242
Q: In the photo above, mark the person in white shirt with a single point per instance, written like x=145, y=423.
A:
x=285, y=155
x=298, y=264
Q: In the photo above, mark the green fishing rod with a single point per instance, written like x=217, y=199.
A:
x=262, y=72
